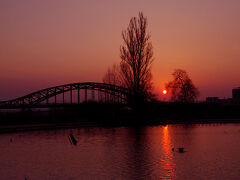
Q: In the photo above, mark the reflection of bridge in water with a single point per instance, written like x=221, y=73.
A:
x=75, y=93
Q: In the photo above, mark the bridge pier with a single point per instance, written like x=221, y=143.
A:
x=47, y=98
x=55, y=97
x=108, y=97
x=99, y=96
x=93, y=95
x=104, y=96
x=78, y=95
x=63, y=95
x=85, y=95
x=71, y=94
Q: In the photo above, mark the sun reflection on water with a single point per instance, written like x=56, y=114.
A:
x=167, y=160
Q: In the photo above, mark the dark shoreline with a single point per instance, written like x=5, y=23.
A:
x=53, y=126
x=118, y=115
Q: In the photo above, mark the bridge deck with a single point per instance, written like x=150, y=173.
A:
x=106, y=93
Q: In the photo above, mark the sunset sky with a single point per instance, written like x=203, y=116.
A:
x=48, y=43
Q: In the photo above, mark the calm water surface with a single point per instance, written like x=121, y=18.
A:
x=211, y=152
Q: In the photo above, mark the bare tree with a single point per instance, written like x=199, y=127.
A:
x=136, y=57
x=113, y=75
x=181, y=87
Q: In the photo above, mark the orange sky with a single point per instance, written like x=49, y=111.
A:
x=47, y=43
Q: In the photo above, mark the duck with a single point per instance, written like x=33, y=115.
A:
x=181, y=149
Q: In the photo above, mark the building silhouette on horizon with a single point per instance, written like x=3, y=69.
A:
x=236, y=94
x=234, y=100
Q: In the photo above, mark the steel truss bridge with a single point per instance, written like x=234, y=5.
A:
x=75, y=93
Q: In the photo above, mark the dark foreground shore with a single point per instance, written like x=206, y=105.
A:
x=109, y=115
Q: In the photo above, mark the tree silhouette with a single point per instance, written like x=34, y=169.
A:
x=181, y=87
x=136, y=57
x=113, y=75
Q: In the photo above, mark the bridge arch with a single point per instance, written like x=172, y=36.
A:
x=117, y=93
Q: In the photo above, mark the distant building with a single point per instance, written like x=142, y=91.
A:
x=234, y=100
x=236, y=94
x=212, y=99
x=217, y=100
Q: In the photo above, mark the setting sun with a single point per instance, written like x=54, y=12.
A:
x=164, y=91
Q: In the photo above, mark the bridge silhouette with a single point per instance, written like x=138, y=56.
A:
x=100, y=92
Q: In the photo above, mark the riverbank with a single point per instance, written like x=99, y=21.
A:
x=54, y=126
x=117, y=115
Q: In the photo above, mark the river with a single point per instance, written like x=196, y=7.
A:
x=211, y=151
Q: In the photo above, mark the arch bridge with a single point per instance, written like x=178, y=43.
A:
x=74, y=93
